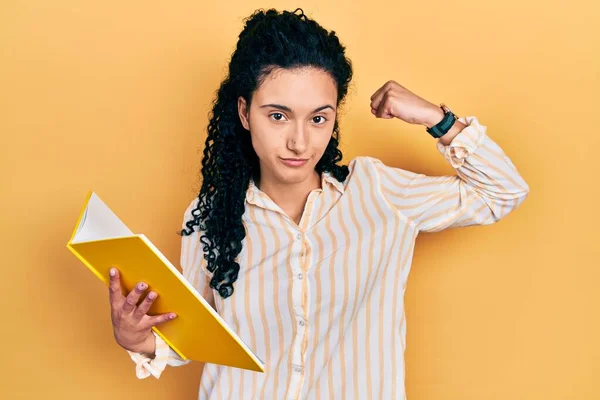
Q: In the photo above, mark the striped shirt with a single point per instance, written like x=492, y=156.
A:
x=322, y=301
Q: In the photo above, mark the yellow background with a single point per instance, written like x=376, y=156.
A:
x=113, y=96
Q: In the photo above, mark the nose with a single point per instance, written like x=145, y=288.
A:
x=298, y=139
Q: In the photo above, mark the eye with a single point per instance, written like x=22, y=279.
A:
x=277, y=116
x=319, y=119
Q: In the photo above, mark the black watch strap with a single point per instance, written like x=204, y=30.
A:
x=442, y=127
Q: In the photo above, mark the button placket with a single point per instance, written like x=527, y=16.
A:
x=298, y=369
x=296, y=285
x=299, y=289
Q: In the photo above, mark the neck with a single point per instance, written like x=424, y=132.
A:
x=290, y=196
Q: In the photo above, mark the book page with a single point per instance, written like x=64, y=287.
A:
x=99, y=222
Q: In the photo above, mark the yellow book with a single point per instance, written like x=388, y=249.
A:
x=101, y=240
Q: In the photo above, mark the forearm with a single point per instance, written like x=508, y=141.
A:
x=482, y=165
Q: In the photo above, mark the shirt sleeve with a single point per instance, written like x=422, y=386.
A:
x=485, y=189
x=193, y=265
x=155, y=364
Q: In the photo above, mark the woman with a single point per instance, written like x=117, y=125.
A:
x=307, y=259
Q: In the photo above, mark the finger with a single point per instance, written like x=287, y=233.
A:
x=376, y=93
x=115, y=293
x=143, y=308
x=133, y=297
x=383, y=109
x=385, y=115
x=160, y=319
x=376, y=101
x=385, y=87
x=383, y=95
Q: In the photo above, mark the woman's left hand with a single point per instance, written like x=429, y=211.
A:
x=394, y=100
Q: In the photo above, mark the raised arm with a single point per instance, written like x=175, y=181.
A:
x=485, y=189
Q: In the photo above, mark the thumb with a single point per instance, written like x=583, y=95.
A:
x=382, y=111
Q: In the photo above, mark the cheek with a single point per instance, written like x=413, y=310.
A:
x=264, y=141
x=262, y=148
x=321, y=142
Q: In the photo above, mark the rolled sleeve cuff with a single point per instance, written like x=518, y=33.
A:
x=145, y=365
x=465, y=143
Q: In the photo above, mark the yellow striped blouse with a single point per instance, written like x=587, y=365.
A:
x=322, y=302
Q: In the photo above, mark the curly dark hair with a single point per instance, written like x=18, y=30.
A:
x=269, y=40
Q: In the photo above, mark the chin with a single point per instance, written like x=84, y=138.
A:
x=294, y=176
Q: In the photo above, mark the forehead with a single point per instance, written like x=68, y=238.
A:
x=300, y=89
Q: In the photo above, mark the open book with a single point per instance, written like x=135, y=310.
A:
x=101, y=240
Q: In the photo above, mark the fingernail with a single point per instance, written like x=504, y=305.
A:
x=152, y=295
x=142, y=286
x=112, y=272
x=172, y=316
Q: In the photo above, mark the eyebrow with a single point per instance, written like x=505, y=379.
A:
x=285, y=108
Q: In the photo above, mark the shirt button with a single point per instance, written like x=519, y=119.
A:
x=301, y=323
x=299, y=236
x=300, y=276
x=297, y=370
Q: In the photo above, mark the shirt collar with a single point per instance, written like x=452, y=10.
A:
x=253, y=192
x=327, y=178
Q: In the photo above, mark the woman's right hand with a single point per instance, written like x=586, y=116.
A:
x=131, y=326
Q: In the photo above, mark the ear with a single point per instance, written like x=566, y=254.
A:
x=243, y=112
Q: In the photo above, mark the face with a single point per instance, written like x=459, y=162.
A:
x=290, y=119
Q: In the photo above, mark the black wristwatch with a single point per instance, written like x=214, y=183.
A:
x=439, y=130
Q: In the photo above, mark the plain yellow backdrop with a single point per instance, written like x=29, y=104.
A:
x=113, y=96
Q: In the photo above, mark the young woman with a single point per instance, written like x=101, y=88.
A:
x=305, y=258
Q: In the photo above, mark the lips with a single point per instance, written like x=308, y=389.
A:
x=294, y=162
